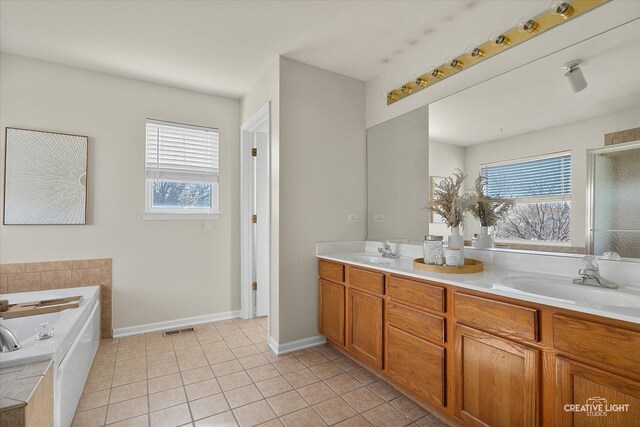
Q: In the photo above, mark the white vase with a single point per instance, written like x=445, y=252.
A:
x=456, y=241
x=484, y=239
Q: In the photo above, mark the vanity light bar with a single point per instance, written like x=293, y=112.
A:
x=559, y=13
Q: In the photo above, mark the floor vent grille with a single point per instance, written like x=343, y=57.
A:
x=178, y=331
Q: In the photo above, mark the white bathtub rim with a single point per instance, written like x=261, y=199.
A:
x=55, y=349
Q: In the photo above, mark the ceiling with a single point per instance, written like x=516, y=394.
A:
x=538, y=96
x=223, y=47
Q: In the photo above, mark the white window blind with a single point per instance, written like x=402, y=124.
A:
x=181, y=152
x=548, y=176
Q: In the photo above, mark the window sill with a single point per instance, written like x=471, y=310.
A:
x=182, y=216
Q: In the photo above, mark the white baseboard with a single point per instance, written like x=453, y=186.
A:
x=290, y=346
x=177, y=323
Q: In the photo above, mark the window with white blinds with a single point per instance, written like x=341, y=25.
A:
x=177, y=151
x=182, y=165
x=543, y=177
x=541, y=187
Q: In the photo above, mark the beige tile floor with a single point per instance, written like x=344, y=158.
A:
x=224, y=374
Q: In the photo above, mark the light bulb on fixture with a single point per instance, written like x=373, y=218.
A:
x=563, y=9
x=574, y=75
x=406, y=89
x=421, y=81
x=500, y=40
x=528, y=25
x=392, y=96
x=455, y=63
x=436, y=73
x=475, y=52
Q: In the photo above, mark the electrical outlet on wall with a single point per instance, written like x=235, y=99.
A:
x=353, y=218
x=378, y=218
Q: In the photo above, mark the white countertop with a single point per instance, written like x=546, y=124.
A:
x=496, y=280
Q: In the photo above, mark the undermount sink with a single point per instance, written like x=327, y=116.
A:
x=565, y=289
x=372, y=259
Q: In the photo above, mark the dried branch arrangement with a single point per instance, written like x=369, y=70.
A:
x=489, y=210
x=447, y=201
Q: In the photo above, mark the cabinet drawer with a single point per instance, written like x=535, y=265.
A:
x=416, y=293
x=502, y=318
x=331, y=271
x=366, y=280
x=416, y=322
x=602, y=343
x=416, y=364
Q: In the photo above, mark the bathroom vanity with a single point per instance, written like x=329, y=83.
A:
x=481, y=354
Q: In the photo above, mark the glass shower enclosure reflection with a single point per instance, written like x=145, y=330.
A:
x=614, y=223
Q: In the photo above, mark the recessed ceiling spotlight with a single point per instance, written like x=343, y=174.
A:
x=575, y=76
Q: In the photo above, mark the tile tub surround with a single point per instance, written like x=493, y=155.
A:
x=225, y=374
x=22, y=386
x=39, y=276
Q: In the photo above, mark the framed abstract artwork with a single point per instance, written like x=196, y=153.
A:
x=45, y=179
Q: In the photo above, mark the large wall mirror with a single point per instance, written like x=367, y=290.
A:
x=567, y=157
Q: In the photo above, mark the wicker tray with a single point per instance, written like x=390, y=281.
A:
x=470, y=266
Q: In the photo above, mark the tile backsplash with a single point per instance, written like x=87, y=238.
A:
x=39, y=276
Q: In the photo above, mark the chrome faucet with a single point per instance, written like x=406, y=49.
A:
x=386, y=251
x=590, y=274
x=8, y=341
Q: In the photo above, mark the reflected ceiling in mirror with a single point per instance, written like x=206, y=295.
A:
x=530, y=129
x=530, y=114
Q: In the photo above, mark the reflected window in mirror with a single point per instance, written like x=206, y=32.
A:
x=541, y=188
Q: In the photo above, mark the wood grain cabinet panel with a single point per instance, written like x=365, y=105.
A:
x=365, y=327
x=495, y=380
x=417, y=293
x=510, y=320
x=579, y=384
x=596, y=341
x=331, y=310
x=331, y=271
x=366, y=280
x=416, y=322
x=416, y=364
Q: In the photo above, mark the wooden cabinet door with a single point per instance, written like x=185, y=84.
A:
x=331, y=310
x=365, y=327
x=495, y=380
x=416, y=364
x=606, y=394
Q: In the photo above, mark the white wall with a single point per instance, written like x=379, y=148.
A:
x=162, y=270
x=267, y=89
x=576, y=137
x=397, y=166
x=322, y=180
x=443, y=160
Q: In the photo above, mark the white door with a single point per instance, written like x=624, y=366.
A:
x=261, y=188
x=255, y=237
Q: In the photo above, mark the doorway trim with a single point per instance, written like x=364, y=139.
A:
x=247, y=133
